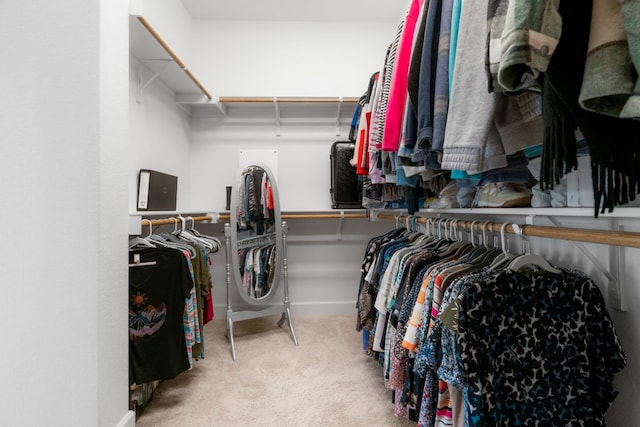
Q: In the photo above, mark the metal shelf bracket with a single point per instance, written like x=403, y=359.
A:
x=142, y=86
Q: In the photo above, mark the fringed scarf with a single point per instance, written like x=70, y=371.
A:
x=614, y=143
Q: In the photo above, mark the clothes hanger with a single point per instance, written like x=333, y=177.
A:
x=138, y=242
x=210, y=243
x=142, y=241
x=405, y=231
x=170, y=237
x=492, y=251
x=530, y=260
x=428, y=238
x=213, y=244
x=409, y=225
x=165, y=242
x=185, y=235
x=455, y=247
x=417, y=239
x=214, y=240
x=478, y=251
x=501, y=260
x=414, y=223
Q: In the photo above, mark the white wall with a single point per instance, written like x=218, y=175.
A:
x=288, y=58
x=258, y=58
x=158, y=137
x=170, y=19
x=303, y=162
x=63, y=122
x=113, y=190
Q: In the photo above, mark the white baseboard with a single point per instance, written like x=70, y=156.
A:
x=129, y=420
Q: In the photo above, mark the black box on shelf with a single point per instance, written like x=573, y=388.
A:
x=157, y=191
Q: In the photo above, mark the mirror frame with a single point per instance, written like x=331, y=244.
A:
x=277, y=235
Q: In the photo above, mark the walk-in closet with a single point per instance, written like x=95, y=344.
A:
x=175, y=254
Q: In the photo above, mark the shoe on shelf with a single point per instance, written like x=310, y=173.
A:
x=503, y=195
x=447, y=198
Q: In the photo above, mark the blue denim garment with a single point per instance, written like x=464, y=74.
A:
x=441, y=100
x=426, y=85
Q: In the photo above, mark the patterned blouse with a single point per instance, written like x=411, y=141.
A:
x=538, y=349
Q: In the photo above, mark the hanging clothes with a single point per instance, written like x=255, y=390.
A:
x=613, y=142
x=256, y=209
x=159, y=265
x=542, y=74
x=536, y=345
x=203, y=293
x=190, y=321
x=257, y=269
x=466, y=336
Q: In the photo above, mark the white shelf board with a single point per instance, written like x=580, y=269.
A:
x=144, y=47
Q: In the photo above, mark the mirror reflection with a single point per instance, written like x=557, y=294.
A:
x=256, y=250
x=255, y=214
x=255, y=206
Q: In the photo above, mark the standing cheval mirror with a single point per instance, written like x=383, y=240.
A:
x=256, y=251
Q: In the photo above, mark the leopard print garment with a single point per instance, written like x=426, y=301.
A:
x=539, y=349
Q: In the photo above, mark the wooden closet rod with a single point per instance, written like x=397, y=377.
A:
x=173, y=220
x=173, y=55
x=326, y=215
x=604, y=237
x=226, y=216
x=292, y=99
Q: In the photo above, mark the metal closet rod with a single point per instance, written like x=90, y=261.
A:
x=292, y=99
x=173, y=56
x=604, y=237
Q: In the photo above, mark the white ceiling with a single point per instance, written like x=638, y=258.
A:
x=298, y=10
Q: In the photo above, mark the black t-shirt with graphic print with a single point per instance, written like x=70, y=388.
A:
x=157, y=345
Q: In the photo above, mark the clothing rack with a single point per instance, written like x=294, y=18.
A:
x=225, y=217
x=604, y=237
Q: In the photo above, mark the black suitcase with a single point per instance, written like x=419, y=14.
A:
x=345, y=187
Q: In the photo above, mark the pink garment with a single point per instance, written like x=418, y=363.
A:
x=399, y=81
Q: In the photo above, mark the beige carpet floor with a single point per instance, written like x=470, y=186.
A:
x=327, y=380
